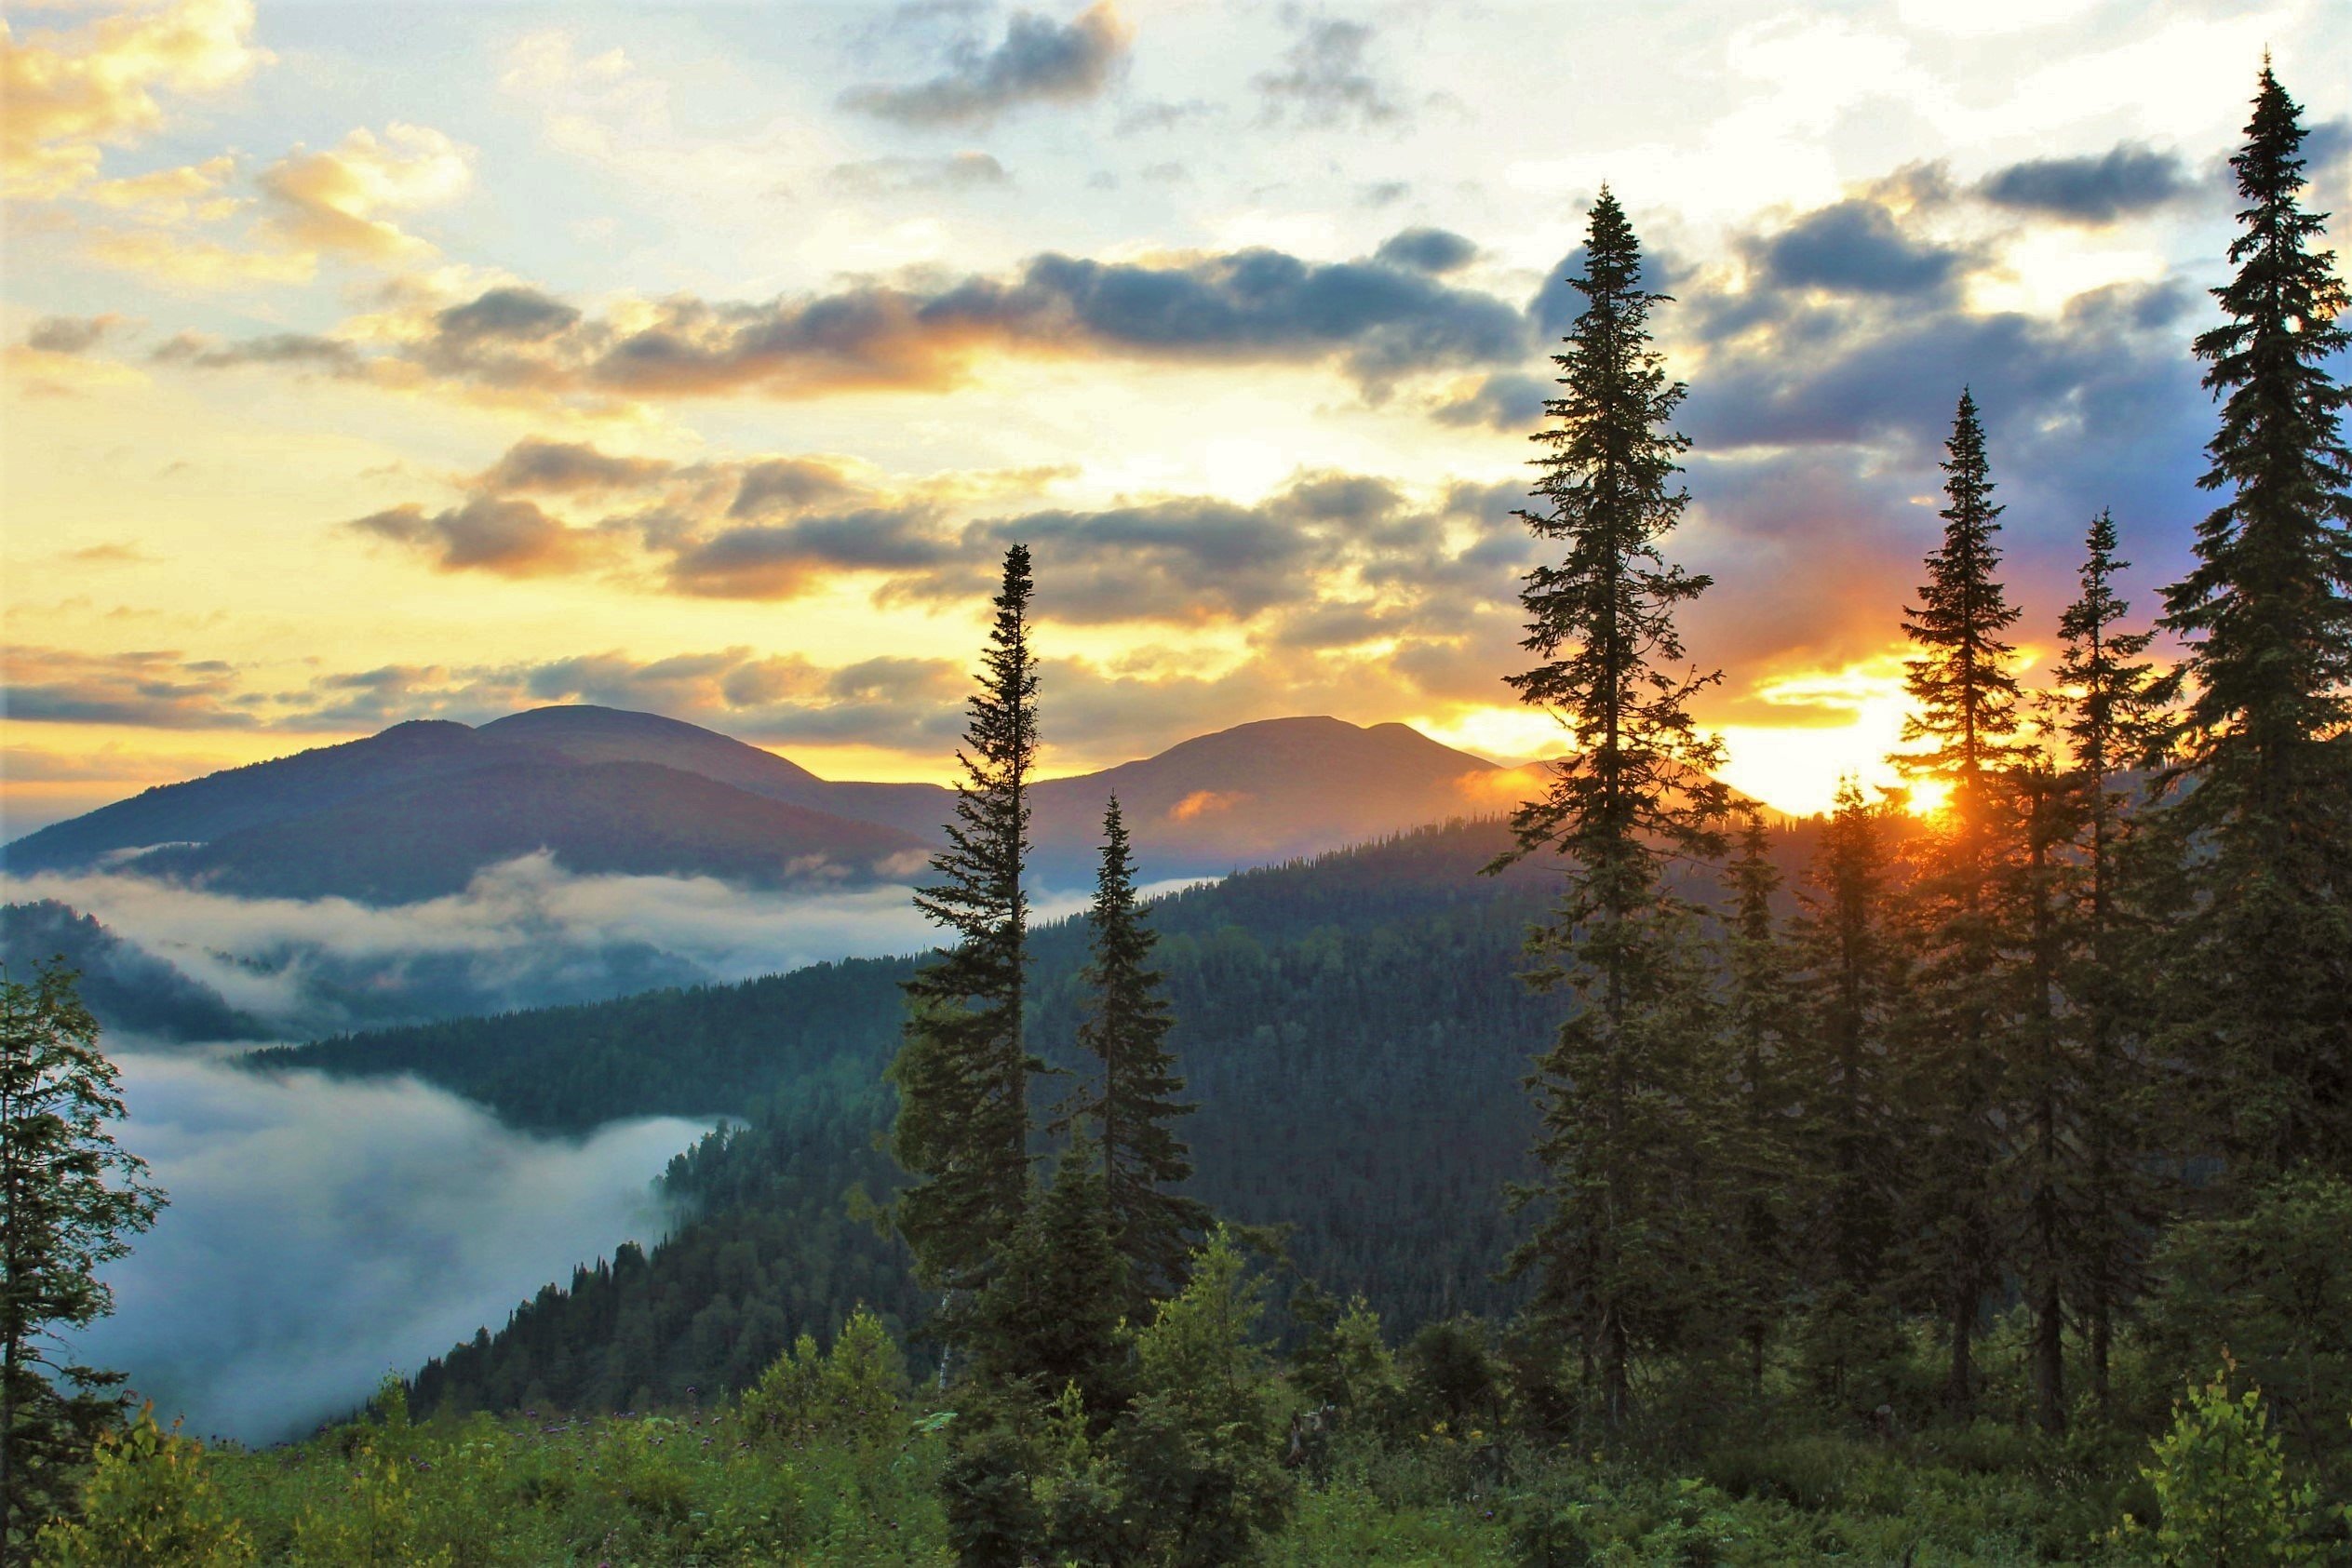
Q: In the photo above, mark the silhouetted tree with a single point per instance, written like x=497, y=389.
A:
x=963, y=1071
x=2268, y=624
x=1849, y=987
x=1616, y=1089
x=2110, y=724
x=1134, y=1105
x=1967, y=696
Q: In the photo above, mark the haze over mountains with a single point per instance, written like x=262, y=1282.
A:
x=416, y=812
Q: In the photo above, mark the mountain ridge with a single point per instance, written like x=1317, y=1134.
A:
x=325, y=821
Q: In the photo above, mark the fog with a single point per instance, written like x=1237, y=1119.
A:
x=524, y=933
x=322, y=1233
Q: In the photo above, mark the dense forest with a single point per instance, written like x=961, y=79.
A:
x=1964, y=1185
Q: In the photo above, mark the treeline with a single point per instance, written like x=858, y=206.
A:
x=1992, y=1061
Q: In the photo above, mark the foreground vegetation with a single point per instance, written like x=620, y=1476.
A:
x=1418, y=1457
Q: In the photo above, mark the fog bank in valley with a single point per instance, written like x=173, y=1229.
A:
x=322, y=1233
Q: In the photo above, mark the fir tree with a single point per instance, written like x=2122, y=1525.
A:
x=1615, y=1091
x=1966, y=697
x=1051, y=1315
x=962, y=1074
x=2268, y=624
x=1136, y=1103
x=2110, y=725
x=68, y=1195
x=1848, y=986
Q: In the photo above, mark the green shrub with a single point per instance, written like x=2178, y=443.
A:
x=855, y=1393
x=149, y=1500
x=2221, y=1483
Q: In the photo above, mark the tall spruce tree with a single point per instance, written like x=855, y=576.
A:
x=1615, y=1091
x=1848, y=987
x=2268, y=625
x=2111, y=723
x=1136, y=1104
x=1966, y=699
x=962, y=1073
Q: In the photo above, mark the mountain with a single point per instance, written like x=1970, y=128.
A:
x=128, y=988
x=587, y=733
x=1265, y=792
x=427, y=839
x=260, y=794
x=412, y=812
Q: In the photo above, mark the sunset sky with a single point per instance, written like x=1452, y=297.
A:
x=368, y=362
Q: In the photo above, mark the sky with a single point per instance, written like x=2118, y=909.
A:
x=370, y=363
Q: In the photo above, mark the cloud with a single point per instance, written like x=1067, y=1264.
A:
x=2125, y=180
x=1855, y=247
x=301, y=349
x=889, y=177
x=1372, y=319
x=510, y=538
x=1324, y=79
x=506, y=314
x=171, y=196
x=336, y=201
x=1039, y=60
x=321, y=1233
x=1426, y=250
x=155, y=690
x=566, y=468
x=71, y=94
x=70, y=334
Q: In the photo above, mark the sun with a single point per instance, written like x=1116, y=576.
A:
x=1927, y=798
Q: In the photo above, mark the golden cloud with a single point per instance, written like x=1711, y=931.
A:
x=71, y=94
x=335, y=200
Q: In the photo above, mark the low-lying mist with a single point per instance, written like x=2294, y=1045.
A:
x=524, y=933
x=322, y=1233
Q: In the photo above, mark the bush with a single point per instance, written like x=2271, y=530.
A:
x=149, y=1500
x=855, y=1393
x=2220, y=1481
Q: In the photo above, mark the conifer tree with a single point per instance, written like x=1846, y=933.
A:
x=1136, y=1103
x=2110, y=725
x=1757, y=1158
x=1050, y=1315
x=2267, y=619
x=69, y=1198
x=2045, y=1109
x=1616, y=1089
x=1848, y=985
x=1967, y=696
x=962, y=1073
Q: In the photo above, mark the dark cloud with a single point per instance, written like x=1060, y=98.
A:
x=1257, y=305
x=2090, y=190
x=1324, y=79
x=786, y=561
x=788, y=483
x=155, y=689
x=1427, y=250
x=884, y=177
x=509, y=537
x=70, y=334
x=523, y=315
x=301, y=350
x=1855, y=248
x=1040, y=61
x=567, y=467
x=1384, y=192
x=1506, y=400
